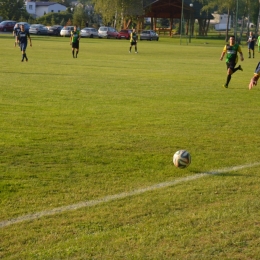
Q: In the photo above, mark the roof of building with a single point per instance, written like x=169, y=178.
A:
x=174, y=8
x=46, y=3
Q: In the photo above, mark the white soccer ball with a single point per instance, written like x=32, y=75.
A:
x=182, y=159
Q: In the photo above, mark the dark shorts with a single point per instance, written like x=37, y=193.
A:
x=231, y=65
x=133, y=43
x=251, y=46
x=75, y=45
x=23, y=46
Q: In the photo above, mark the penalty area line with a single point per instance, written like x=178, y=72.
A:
x=123, y=195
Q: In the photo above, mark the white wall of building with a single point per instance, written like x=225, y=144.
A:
x=37, y=9
x=55, y=8
x=31, y=8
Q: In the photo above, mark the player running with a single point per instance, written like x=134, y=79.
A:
x=231, y=51
x=74, y=41
x=22, y=36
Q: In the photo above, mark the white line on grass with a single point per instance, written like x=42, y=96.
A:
x=109, y=198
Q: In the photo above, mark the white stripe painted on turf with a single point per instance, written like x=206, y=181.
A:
x=109, y=198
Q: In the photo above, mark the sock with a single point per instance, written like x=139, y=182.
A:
x=23, y=56
x=135, y=49
x=228, y=79
x=130, y=49
x=73, y=53
x=249, y=54
x=77, y=53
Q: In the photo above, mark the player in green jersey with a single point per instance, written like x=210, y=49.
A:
x=74, y=41
x=258, y=43
x=231, y=51
x=133, y=41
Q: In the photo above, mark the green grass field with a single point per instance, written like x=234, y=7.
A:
x=108, y=123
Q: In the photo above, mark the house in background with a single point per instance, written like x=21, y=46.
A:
x=38, y=9
x=220, y=21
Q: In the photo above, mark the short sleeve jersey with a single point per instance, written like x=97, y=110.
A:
x=231, y=51
x=17, y=30
x=133, y=37
x=23, y=36
x=75, y=35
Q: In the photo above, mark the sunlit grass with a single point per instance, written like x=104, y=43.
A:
x=108, y=122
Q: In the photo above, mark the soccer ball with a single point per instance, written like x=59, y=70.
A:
x=181, y=159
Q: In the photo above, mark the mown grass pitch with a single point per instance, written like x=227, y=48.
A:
x=75, y=130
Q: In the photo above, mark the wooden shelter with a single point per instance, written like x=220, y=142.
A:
x=177, y=9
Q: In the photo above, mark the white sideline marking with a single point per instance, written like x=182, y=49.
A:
x=109, y=198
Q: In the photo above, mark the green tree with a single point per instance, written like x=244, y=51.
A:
x=58, y=17
x=53, y=22
x=243, y=9
x=222, y=6
x=13, y=9
x=79, y=16
x=118, y=12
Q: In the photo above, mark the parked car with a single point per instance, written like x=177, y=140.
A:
x=7, y=26
x=66, y=30
x=89, y=32
x=125, y=34
x=54, y=30
x=107, y=32
x=38, y=29
x=26, y=25
x=149, y=35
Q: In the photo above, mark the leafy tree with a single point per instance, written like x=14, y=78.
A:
x=58, y=17
x=119, y=13
x=62, y=22
x=12, y=9
x=53, y=22
x=31, y=20
x=80, y=16
x=222, y=6
x=249, y=9
x=107, y=9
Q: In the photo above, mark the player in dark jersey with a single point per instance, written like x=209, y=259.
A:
x=253, y=81
x=231, y=51
x=251, y=44
x=23, y=35
x=16, y=31
x=74, y=41
x=133, y=41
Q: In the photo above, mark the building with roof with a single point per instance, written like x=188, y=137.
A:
x=38, y=9
x=188, y=10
